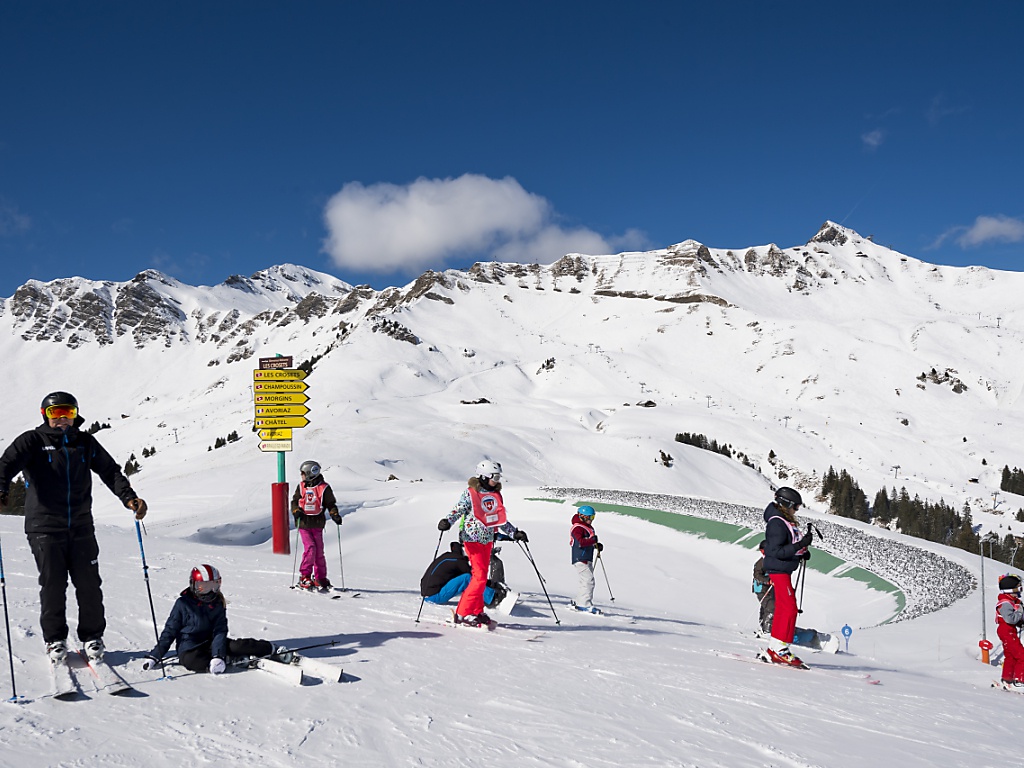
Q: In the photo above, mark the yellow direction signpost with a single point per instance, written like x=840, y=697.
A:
x=262, y=387
x=279, y=398
x=275, y=434
x=279, y=374
x=279, y=422
x=281, y=410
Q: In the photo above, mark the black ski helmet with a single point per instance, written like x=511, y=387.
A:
x=57, y=398
x=311, y=469
x=788, y=498
x=1009, y=582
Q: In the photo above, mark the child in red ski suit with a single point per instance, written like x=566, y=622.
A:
x=1009, y=617
x=784, y=548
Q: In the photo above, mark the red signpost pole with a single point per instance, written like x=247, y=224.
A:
x=279, y=517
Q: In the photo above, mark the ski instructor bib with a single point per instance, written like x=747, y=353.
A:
x=488, y=507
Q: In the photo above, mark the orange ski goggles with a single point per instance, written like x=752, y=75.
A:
x=61, y=411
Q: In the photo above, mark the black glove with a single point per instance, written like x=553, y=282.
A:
x=520, y=535
x=807, y=555
x=806, y=541
x=443, y=524
x=296, y=514
x=336, y=517
x=599, y=547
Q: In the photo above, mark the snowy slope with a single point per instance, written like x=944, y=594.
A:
x=641, y=686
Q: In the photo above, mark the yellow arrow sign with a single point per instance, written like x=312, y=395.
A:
x=281, y=410
x=275, y=434
x=280, y=398
x=281, y=422
x=275, y=445
x=279, y=386
x=280, y=374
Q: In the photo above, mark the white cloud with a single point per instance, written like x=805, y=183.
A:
x=395, y=228
x=987, y=229
x=938, y=110
x=12, y=221
x=873, y=139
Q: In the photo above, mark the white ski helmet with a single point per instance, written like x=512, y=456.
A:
x=489, y=469
x=204, y=580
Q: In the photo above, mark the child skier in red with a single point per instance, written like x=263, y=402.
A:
x=784, y=548
x=1009, y=617
x=312, y=500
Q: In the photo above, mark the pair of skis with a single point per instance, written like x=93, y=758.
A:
x=105, y=677
x=294, y=670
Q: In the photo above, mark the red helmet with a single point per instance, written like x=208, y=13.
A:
x=204, y=580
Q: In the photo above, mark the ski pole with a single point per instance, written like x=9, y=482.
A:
x=341, y=560
x=7, y=627
x=605, y=572
x=145, y=573
x=276, y=651
x=526, y=550
x=424, y=599
x=295, y=557
x=803, y=580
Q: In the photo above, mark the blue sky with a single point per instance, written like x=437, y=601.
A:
x=376, y=140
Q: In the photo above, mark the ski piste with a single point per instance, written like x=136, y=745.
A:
x=106, y=678
x=758, y=660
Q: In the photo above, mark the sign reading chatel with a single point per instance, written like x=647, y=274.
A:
x=279, y=401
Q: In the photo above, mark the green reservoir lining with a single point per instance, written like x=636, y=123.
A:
x=735, y=534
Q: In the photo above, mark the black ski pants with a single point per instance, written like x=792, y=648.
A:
x=198, y=659
x=58, y=555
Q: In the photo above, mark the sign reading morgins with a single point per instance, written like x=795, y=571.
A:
x=278, y=400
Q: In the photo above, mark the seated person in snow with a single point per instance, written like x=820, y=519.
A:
x=448, y=576
x=198, y=625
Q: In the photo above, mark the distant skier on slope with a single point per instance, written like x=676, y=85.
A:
x=584, y=543
x=313, y=498
x=1009, y=618
x=198, y=626
x=481, y=512
x=784, y=549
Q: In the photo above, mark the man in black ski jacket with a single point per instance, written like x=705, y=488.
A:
x=57, y=460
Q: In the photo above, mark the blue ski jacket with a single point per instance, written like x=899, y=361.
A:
x=192, y=623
